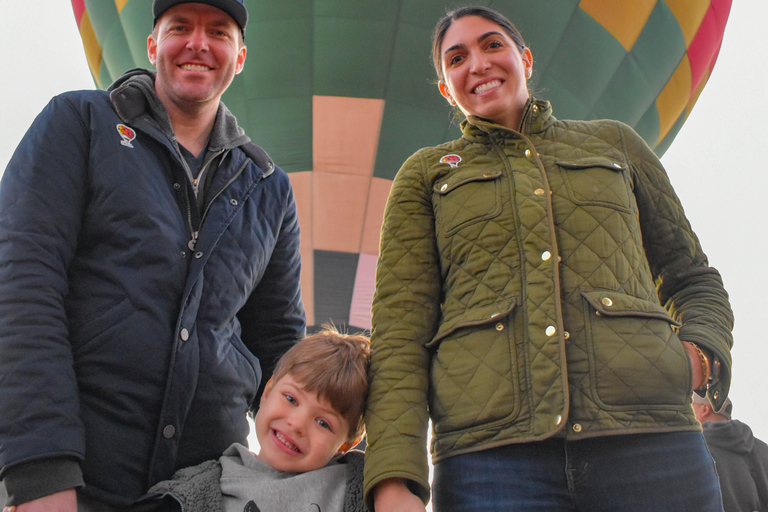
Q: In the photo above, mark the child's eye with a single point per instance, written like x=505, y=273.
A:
x=323, y=424
x=290, y=399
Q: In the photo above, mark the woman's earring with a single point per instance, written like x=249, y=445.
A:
x=528, y=73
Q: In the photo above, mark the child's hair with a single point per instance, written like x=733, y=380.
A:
x=335, y=366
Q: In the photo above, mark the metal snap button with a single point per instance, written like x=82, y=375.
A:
x=169, y=431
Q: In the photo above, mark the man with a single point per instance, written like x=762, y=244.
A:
x=149, y=274
x=741, y=459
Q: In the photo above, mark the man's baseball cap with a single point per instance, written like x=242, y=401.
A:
x=235, y=8
x=725, y=411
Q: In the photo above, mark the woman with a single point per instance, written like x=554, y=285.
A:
x=517, y=305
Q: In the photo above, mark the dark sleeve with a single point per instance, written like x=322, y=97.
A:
x=42, y=197
x=689, y=288
x=272, y=319
x=29, y=481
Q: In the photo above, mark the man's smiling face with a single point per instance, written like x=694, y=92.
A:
x=197, y=50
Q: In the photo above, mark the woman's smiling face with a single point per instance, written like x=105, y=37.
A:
x=485, y=71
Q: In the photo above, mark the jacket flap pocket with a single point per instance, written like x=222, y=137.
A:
x=594, y=161
x=456, y=179
x=476, y=317
x=612, y=303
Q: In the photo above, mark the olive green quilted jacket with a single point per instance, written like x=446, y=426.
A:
x=532, y=284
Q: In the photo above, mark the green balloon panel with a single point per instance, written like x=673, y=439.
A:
x=643, y=62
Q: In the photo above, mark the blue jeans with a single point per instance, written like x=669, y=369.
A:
x=670, y=472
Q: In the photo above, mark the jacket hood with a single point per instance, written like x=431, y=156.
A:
x=133, y=94
x=732, y=435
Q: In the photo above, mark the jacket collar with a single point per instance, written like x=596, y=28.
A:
x=133, y=94
x=537, y=117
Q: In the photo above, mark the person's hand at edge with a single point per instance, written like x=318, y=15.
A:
x=64, y=501
x=392, y=495
x=700, y=364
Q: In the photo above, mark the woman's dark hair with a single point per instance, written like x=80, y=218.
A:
x=471, y=10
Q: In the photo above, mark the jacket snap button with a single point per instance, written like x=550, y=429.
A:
x=528, y=154
x=535, y=108
x=499, y=326
x=176, y=186
x=607, y=302
x=566, y=335
x=558, y=419
x=550, y=331
x=198, y=255
x=546, y=255
x=233, y=202
x=539, y=191
x=577, y=428
x=184, y=334
x=443, y=188
x=169, y=431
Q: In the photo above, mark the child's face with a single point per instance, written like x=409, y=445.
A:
x=297, y=432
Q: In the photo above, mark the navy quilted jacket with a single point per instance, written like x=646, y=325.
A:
x=134, y=327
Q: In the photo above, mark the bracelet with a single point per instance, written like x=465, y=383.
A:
x=705, y=366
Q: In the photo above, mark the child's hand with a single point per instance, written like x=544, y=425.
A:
x=392, y=495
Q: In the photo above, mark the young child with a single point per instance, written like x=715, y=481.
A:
x=309, y=417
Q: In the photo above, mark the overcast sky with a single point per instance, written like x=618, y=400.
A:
x=715, y=163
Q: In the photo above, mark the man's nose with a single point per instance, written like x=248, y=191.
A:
x=198, y=40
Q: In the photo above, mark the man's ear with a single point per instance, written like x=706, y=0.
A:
x=240, y=60
x=267, y=389
x=445, y=92
x=152, y=49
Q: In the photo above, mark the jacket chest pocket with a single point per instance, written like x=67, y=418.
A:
x=465, y=198
x=598, y=182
